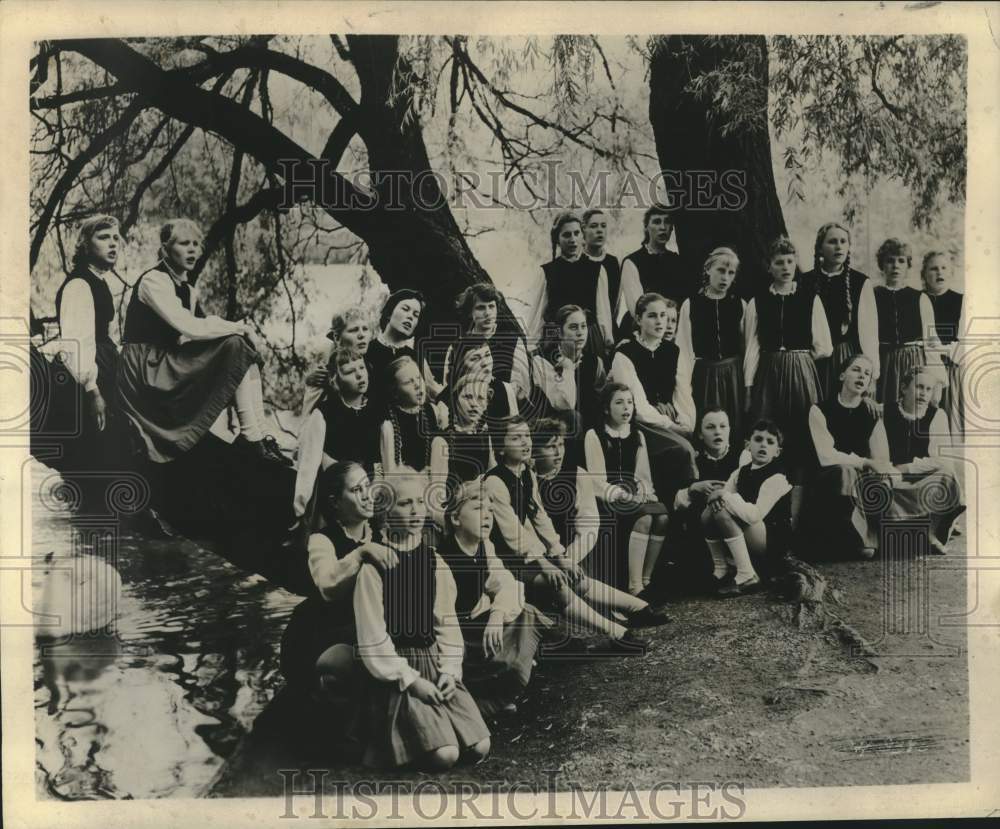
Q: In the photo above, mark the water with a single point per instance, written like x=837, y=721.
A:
x=154, y=710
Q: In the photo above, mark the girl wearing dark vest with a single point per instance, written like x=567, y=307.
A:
x=619, y=465
x=566, y=493
x=418, y=710
x=751, y=513
x=787, y=332
x=853, y=454
x=717, y=459
x=317, y=648
x=179, y=368
x=930, y=485
x=478, y=309
x=652, y=268
x=654, y=371
x=936, y=273
x=572, y=279
x=906, y=329
x=411, y=432
x=595, y=236
x=472, y=354
x=529, y=546
x=849, y=303
x=501, y=631
x=399, y=322
x=568, y=375
x=351, y=330
x=469, y=436
x=81, y=416
x=712, y=339
x=342, y=427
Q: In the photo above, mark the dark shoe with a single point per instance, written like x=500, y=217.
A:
x=648, y=594
x=571, y=648
x=751, y=585
x=274, y=452
x=648, y=617
x=628, y=645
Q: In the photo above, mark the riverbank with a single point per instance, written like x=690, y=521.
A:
x=742, y=690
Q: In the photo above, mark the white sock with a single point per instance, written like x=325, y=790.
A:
x=737, y=546
x=246, y=409
x=717, y=547
x=637, y=544
x=652, y=554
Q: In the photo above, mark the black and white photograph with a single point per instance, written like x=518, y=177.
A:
x=422, y=416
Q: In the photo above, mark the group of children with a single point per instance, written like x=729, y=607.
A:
x=453, y=511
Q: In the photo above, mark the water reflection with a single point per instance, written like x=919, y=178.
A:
x=154, y=708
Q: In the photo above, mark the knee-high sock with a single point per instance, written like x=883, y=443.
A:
x=717, y=548
x=737, y=546
x=637, y=544
x=258, y=395
x=652, y=554
x=246, y=409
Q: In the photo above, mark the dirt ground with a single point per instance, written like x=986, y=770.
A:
x=732, y=690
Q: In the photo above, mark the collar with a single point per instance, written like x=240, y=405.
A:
x=619, y=432
x=712, y=457
x=180, y=279
x=404, y=344
x=366, y=533
x=913, y=418
x=840, y=400
x=652, y=350
x=408, y=544
x=827, y=274
x=795, y=286
x=594, y=258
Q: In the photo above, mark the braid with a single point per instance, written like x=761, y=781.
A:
x=845, y=326
x=397, y=436
x=426, y=430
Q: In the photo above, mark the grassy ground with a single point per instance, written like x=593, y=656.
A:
x=733, y=690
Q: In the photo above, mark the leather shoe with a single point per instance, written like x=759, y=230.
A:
x=751, y=585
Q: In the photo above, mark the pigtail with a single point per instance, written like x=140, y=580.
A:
x=397, y=436
x=845, y=326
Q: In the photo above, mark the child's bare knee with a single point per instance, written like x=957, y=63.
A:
x=643, y=524
x=480, y=750
x=660, y=525
x=443, y=758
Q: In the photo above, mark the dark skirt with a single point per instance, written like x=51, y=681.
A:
x=953, y=400
x=402, y=729
x=672, y=461
x=495, y=682
x=828, y=368
x=936, y=495
x=786, y=387
x=894, y=363
x=718, y=384
x=174, y=395
x=315, y=626
x=608, y=562
x=63, y=433
x=843, y=509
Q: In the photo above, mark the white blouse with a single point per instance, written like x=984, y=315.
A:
x=623, y=371
x=829, y=455
x=156, y=289
x=76, y=325
x=374, y=644
x=594, y=455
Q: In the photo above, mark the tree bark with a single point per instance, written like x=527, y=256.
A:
x=689, y=139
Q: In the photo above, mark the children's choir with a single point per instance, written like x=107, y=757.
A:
x=452, y=517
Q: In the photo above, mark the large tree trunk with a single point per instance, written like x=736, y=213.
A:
x=689, y=139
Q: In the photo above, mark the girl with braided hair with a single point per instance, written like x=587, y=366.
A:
x=848, y=301
x=411, y=432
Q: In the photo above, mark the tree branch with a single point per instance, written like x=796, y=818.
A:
x=73, y=170
x=267, y=199
x=339, y=140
